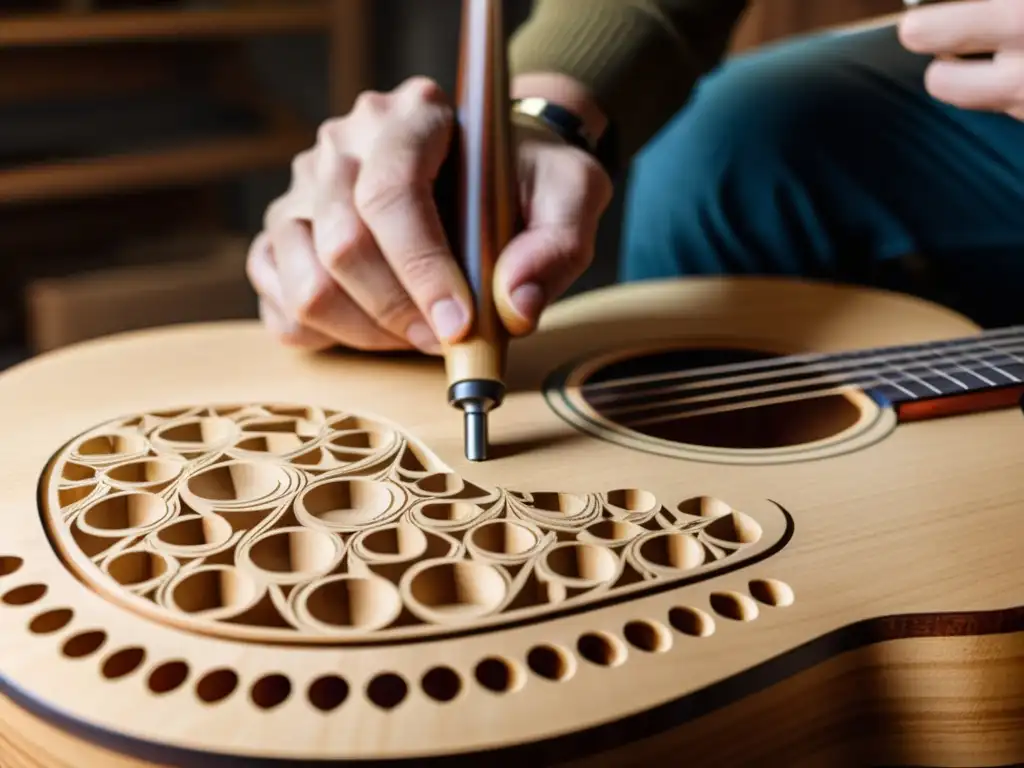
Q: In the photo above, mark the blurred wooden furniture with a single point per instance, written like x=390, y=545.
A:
x=125, y=121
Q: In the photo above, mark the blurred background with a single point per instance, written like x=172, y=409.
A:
x=141, y=140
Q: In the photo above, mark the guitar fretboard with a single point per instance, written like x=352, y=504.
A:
x=908, y=373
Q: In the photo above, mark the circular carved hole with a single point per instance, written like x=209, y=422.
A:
x=402, y=540
x=25, y=595
x=673, y=550
x=614, y=530
x=632, y=500
x=450, y=512
x=237, y=481
x=212, y=588
x=295, y=550
x=550, y=662
x=10, y=564
x=557, y=503
x=704, y=506
x=84, y=644
x=498, y=675
x=77, y=473
x=355, y=602
x=690, y=621
x=199, y=431
x=167, y=677
x=733, y=605
x=51, y=621
x=387, y=690
x=459, y=587
x=145, y=471
x=441, y=684
x=328, y=693
x=216, y=685
x=583, y=561
x=601, y=649
x=206, y=530
x=271, y=691
x=125, y=511
x=772, y=592
x=502, y=537
x=136, y=567
x=647, y=636
x=347, y=502
x=112, y=445
x=278, y=444
x=123, y=662
x=735, y=528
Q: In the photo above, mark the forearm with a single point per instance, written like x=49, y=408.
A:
x=631, y=62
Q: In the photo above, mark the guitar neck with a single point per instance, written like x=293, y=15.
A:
x=936, y=379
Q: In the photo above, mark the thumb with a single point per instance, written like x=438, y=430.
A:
x=568, y=193
x=536, y=268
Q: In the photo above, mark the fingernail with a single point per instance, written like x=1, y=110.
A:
x=420, y=335
x=449, y=317
x=528, y=300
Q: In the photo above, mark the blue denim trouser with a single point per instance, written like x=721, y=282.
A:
x=824, y=156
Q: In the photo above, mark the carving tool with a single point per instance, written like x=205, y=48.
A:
x=487, y=216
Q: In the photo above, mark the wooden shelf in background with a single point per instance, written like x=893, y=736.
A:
x=112, y=26
x=189, y=164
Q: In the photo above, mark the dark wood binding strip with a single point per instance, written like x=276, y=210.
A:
x=956, y=405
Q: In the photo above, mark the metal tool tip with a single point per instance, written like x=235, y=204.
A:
x=476, y=434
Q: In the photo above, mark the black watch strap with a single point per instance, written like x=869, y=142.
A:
x=568, y=126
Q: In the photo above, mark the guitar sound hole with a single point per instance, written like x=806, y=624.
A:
x=764, y=407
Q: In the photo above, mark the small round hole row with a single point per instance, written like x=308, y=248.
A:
x=551, y=662
x=387, y=690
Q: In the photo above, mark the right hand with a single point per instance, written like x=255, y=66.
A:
x=354, y=252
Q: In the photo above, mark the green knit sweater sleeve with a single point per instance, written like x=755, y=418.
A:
x=639, y=58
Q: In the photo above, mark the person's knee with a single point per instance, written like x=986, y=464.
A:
x=704, y=194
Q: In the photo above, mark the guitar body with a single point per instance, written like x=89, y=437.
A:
x=217, y=551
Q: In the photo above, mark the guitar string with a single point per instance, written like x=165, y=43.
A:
x=712, y=410
x=771, y=380
x=858, y=380
x=828, y=360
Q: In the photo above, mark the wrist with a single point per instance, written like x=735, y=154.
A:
x=567, y=93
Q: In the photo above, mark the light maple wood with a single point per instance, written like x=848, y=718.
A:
x=857, y=601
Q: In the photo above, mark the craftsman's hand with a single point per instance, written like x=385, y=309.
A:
x=354, y=252
x=947, y=30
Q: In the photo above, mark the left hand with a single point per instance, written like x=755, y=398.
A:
x=947, y=30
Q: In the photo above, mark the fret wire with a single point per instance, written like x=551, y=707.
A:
x=898, y=386
x=972, y=372
x=1014, y=359
x=942, y=373
x=995, y=368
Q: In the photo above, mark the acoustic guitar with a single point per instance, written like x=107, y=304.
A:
x=725, y=522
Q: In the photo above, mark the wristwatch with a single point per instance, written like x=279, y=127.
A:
x=569, y=126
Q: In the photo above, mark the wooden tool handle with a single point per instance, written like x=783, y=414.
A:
x=488, y=213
